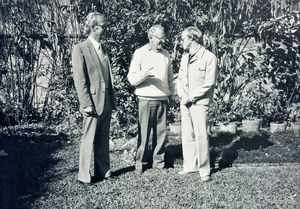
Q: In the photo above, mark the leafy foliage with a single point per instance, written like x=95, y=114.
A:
x=274, y=108
x=34, y=55
x=47, y=31
x=294, y=112
x=252, y=102
x=281, y=52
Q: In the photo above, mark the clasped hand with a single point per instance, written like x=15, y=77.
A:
x=89, y=111
x=149, y=72
x=188, y=103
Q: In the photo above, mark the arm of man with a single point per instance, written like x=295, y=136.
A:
x=135, y=75
x=171, y=84
x=180, y=82
x=210, y=78
x=81, y=78
x=171, y=78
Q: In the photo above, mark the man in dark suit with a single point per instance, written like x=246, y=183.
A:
x=94, y=86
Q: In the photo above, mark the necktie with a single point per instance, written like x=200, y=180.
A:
x=100, y=50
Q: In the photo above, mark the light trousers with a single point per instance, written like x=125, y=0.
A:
x=195, y=145
x=95, y=136
x=152, y=116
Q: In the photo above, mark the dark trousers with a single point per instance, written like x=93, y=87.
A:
x=152, y=116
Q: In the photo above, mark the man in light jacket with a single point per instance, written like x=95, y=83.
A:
x=94, y=86
x=151, y=73
x=195, y=87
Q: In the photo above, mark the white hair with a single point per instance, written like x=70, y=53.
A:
x=91, y=21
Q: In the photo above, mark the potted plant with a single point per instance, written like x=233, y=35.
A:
x=294, y=117
x=251, y=107
x=227, y=117
x=275, y=111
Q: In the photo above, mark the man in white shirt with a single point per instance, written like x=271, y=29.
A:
x=94, y=85
x=151, y=73
x=195, y=87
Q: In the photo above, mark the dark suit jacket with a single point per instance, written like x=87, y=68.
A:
x=88, y=77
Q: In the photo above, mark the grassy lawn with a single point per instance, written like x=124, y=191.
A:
x=249, y=171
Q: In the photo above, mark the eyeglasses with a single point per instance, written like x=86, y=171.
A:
x=161, y=40
x=103, y=26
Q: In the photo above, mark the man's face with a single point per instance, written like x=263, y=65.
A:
x=186, y=41
x=157, y=39
x=99, y=28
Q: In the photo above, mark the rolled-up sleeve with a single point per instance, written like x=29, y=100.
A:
x=171, y=79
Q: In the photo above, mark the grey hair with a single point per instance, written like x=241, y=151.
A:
x=91, y=21
x=154, y=28
x=194, y=33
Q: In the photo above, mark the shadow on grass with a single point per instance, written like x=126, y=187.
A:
x=224, y=148
x=123, y=171
x=173, y=152
x=23, y=171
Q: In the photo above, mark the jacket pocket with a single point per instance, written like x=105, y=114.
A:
x=202, y=70
x=202, y=66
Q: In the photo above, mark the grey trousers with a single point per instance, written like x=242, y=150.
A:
x=95, y=136
x=152, y=116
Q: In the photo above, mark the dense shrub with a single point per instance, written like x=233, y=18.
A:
x=281, y=52
x=228, y=27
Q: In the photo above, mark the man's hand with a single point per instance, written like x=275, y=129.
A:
x=149, y=73
x=195, y=99
x=89, y=111
x=185, y=101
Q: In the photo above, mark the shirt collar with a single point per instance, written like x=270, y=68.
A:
x=195, y=50
x=95, y=43
x=197, y=53
x=150, y=49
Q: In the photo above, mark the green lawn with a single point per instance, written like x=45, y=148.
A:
x=250, y=171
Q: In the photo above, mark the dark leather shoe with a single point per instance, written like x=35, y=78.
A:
x=96, y=179
x=108, y=175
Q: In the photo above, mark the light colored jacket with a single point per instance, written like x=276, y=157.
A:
x=197, y=77
x=161, y=85
x=88, y=77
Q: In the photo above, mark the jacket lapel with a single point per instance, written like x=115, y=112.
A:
x=95, y=57
x=199, y=54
